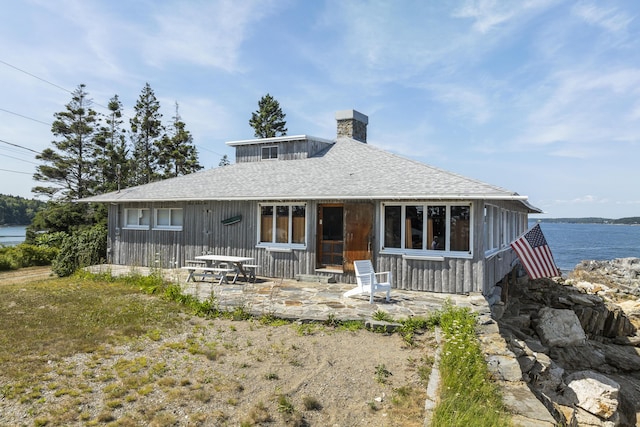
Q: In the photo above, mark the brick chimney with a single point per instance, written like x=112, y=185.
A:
x=352, y=124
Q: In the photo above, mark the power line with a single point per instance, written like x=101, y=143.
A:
x=22, y=160
x=34, y=76
x=8, y=170
x=20, y=146
x=25, y=117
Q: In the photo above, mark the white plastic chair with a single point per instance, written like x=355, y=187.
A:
x=370, y=282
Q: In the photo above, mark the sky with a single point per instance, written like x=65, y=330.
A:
x=539, y=97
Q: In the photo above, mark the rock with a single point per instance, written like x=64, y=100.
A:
x=594, y=392
x=560, y=328
x=527, y=410
x=623, y=358
x=382, y=326
x=504, y=368
x=526, y=363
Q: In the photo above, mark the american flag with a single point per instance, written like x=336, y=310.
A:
x=535, y=254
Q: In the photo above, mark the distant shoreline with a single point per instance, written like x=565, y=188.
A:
x=590, y=220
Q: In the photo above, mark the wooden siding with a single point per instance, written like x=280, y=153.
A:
x=287, y=150
x=204, y=232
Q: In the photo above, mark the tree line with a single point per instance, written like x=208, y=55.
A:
x=15, y=210
x=96, y=153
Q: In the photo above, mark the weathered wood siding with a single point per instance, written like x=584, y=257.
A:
x=287, y=150
x=204, y=232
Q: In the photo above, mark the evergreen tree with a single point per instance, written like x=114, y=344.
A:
x=224, y=161
x=268, y=121
x=146, y=132
x=177, y=154
x=68, y=166
x=111, y=150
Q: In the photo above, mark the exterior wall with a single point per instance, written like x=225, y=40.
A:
x=287, y=150
x=204, y=232
x=500, y=263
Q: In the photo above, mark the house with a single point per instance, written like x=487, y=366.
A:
x=301, y=205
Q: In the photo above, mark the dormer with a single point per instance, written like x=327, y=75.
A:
x=278, y=148
x=350, y=124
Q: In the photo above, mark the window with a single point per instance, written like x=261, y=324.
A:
x=270, y=153
x=501, y=227
x=137, y=218
x=166, y=218
x=282, y=224
x=427, y=228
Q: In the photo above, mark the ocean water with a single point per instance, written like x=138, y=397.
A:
x=572, y=243
x=13, y=235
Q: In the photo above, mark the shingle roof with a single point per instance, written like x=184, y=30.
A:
x=348, y=169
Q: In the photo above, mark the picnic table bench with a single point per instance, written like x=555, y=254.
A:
x=203, y=272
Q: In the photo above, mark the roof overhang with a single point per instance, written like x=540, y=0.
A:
x=277, y=139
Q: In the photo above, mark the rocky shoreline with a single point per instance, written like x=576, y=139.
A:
x=573, y=342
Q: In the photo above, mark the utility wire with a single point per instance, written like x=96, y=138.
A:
x=20, y=146
x=34, y=76
x=25, y=117
x=22, y=160
x=8, y=170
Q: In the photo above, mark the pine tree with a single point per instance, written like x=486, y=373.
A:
x=111, y=150
x=68, y=167
x=177, y=154
x=268, y=121
x=224, y=161
x=146, y=133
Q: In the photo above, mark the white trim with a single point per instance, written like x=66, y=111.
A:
x=138, y=226
x=289, y=244
x=278, y=139
x=171, y=226
x=426, y=253
x=288, y=249
x=423, y=258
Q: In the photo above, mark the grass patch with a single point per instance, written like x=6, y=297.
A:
x=467, y=394
x=60, y=317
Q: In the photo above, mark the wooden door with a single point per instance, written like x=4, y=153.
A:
x=358, y=233
x=330, y=231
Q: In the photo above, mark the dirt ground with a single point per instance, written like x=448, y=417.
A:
x=223, y=372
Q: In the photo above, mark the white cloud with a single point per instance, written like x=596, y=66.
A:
x=490, y=14
x=206, y=33
x=609, y=18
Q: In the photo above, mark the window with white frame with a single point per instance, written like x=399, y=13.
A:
x=501, y=227
x=270, y=153
x=168, y=218
x=431, y=228
x=282, y=224
x=137, y=218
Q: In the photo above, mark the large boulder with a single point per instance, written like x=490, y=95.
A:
x=594, y=392
x=559, y=328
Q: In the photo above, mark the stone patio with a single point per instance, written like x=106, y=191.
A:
x=310, y=301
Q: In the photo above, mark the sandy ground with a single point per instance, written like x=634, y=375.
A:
x=224, y=372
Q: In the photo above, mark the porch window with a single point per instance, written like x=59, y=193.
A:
x=168, y=218
x=137, y=218
x=501, y=227
x=427, y=229
x=283, y=224
x=270, y=153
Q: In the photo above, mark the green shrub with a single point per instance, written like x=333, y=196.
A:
x=81, y=249
x=25, y=255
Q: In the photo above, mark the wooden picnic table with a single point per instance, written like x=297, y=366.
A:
x=236, y=263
